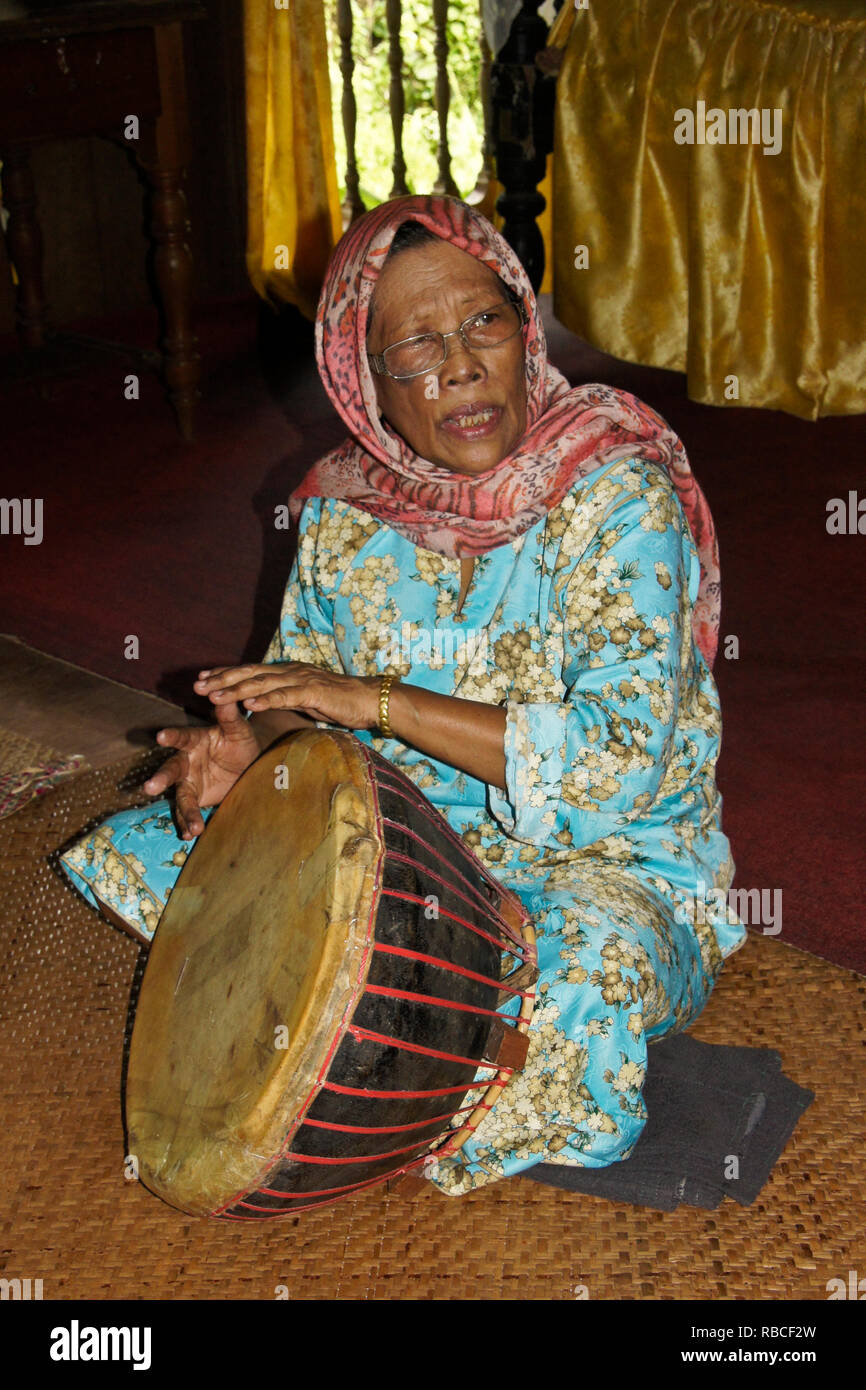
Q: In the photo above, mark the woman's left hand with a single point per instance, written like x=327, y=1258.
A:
x=352, y=701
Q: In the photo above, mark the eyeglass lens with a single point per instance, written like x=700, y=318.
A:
x=487, y=329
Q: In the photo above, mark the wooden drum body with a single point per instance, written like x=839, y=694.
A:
x=321, y=990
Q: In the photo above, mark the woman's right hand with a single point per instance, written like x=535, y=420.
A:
x=206, y=766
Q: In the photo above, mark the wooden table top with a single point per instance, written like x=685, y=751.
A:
x=30, y=19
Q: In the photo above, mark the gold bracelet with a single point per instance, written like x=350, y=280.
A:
x=384, y=698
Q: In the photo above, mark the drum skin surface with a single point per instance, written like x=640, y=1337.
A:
x=320, y=989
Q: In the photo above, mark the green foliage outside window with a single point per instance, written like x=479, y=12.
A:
x=374, y=149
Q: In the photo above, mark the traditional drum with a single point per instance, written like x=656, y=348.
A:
x=321, y=991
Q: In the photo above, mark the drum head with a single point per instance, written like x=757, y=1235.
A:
x=258, y=959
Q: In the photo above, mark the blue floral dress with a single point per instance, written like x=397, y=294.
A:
x=610, y=820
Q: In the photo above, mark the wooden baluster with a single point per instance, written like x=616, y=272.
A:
x=163, y=153
x=444, y=183
x=522, y=97
x=482, y=194
x=353, y=205
x=396, y=98
x=172, y=270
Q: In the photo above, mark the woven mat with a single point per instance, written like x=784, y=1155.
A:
x=29, y=770
x=70, y=1218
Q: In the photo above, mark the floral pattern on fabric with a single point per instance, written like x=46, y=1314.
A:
x=581, y=629
x=131, y=862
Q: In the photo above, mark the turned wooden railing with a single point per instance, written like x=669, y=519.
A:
x=517, y=99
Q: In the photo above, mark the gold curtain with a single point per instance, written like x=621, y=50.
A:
x=743, y=269
x=293, y=207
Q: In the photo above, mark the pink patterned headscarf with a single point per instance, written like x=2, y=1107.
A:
x=570, y=431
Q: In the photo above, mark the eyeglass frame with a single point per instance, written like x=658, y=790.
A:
x=377, y=359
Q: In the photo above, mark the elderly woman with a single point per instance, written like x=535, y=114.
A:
x=510, y=589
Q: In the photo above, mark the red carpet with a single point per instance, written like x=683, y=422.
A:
x=175, y=544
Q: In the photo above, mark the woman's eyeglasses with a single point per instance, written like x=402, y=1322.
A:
x=414, y=356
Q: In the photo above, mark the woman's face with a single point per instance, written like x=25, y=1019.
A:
x=436, y=287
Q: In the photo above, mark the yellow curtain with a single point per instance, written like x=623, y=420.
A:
x=743, y=269
x=293, y=207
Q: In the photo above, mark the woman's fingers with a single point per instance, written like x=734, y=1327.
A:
x=185, y=741
x=296, y=685
x=173, y=768
x=220, y=676
x=182, y=827
x=228, y=716
x=169, y=773
x=179, y=738
x=186, y=806
x=176, y=772
x=188, y=811
x=229, y=678
x=253, y=687
x=206, y=677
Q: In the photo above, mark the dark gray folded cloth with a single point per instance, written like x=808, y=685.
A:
x=707, y=1105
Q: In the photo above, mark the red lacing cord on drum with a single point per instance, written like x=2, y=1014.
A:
x=339, y=1193
x=387, y=1129
x=299, y=1197
x=420, y=803
x=364, y=1035
x=354, y=1159
x=276, y=1213
x=396, y=1095
x=455, y=969
x=414, y=797
x=443, y=912
x=486, y=903
x=436, y=1002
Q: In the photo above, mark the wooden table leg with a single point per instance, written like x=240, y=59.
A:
x=172, y=265
x=164, y=153
x=24, y=242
